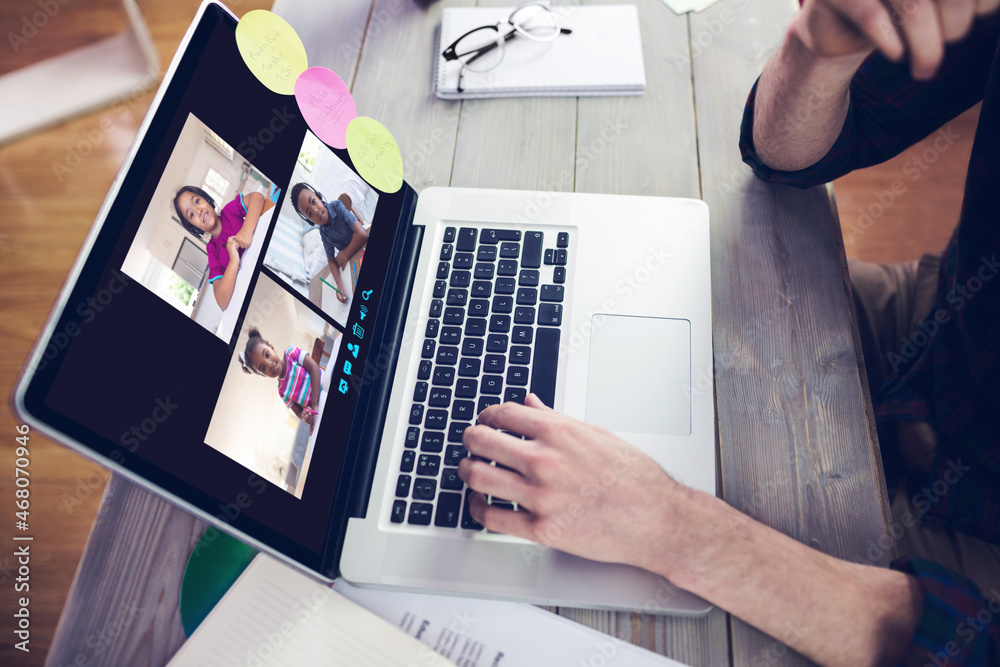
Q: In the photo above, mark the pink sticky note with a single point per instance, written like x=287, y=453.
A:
x=326, y=104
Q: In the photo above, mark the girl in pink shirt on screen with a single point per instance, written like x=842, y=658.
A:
x=297, y=373
x=231, y=229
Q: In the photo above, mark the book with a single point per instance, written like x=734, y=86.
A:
x=601, y=56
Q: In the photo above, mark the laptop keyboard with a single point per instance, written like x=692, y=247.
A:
x=492, y=335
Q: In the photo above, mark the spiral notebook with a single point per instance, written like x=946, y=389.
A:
x=602, y=55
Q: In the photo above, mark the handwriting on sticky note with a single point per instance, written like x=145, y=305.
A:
x=326, y=105
x=271, y=49
x=375, y=154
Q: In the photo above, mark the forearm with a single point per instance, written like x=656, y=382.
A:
x=255, y=206
x=357, y=241
x=224, y=286
x=801, y=103
x=833, y=611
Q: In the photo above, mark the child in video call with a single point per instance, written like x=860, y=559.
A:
x=342, y=233
x=297, y=373
x=231, y=229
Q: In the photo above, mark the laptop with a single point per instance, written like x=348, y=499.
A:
x=386, y=328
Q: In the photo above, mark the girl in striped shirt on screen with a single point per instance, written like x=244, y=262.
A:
x=297, y=373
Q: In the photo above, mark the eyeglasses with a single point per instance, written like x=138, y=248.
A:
x=481, y=49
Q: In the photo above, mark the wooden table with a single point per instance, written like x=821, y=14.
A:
x=796, y=438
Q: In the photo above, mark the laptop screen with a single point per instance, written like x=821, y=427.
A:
x=214, y=337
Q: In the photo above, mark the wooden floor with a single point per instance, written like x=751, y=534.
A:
x=47, y=214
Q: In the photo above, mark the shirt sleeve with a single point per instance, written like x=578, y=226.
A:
x=215, y=267
x=958, y=626
x=889, y=111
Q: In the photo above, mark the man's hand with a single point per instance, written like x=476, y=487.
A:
x=917, y=29
x=585, y=491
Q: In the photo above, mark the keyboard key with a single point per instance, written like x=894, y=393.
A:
x=457, y=297
x=531, y=256
x=463, y=260
x=444, y=268
x=439, y=289
x=468, y=523
x=528, y=278
x=550, y=314
x=494, y=363
x=428, y=350
x=496, y=343
x=454, y=315
x=398, y=511
x=453, y=454
x=559, y=274
x=503, y=304
x=420, y=514
x=486, y=254
x=420, y=392
x=515, y=394
x=517, y=376
x=561, y=257
x=550, y=256
x=483, y=271
x=406, y=464
x=527, y=296
x=449, y=234
x=466, y=388
x=524, y=315
x=433, y=441
x=446, y=250
x=455, y=431
x=475, y=326
x=412, y=436
x=521, y=335
x=424, y=370
x=505, y=286
x=440, y=397
x=500, y=323
x=502, y=504
x=494, y=236
x=451, y=335
x=551, y=293
x=447, y=355
x=492, y=385
x=428, y=464
x=519, y=354
x=507, y=267
x=469, y=367
x=416, y=413
x=437, y=306
x=431, y=331
x=435, y=419
x=403, y=486
x=479, y=308
x=463, y=410
x=473, y=347
x=424, y=489
x=466, y=239
x=543, y=371
x=510, y=250
x=460, y=279
x=562, y=240
x=481, y=289
x=449, y=509
x=450, y=480
x=443, y=376
x=487, y=401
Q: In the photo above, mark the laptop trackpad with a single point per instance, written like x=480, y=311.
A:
x=640, y=375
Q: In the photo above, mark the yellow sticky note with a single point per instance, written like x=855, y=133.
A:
x=375, y=154
x=271, y=49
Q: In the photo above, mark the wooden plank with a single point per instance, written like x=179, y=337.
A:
x=797, y=445
x=123, y=608
x=333, y=36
